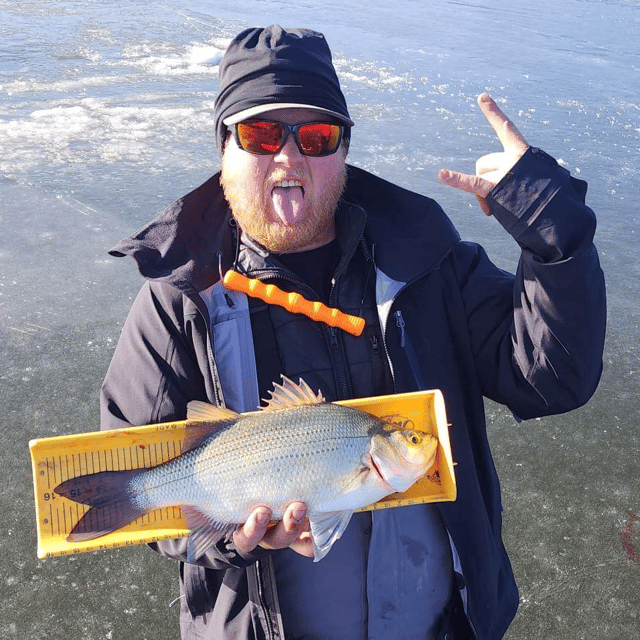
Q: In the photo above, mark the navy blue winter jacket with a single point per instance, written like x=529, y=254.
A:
x=450, y=320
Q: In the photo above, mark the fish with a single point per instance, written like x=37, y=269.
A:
x=298, y=447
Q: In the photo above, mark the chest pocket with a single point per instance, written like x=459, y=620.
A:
x=233, y=348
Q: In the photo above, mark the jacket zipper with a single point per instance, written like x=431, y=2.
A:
x=399, y=319
x=373, y=340
x=342, y=385
x=338, y=357
x=337, y=347
x=277, y=275
x=401, y=325
x=263, y=601
x=405, y=343
x=339, y=364
x=417, y=375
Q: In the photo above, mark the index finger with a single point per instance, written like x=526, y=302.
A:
x=247, y=536
x=507, y=132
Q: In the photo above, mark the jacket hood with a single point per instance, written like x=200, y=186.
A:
x=410, y=233
x=191, y=241
x=182, y=244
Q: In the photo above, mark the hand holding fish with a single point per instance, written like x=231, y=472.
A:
x=491, y=168
x=292, y=531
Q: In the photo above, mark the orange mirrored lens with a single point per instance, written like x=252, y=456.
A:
x=318, y=138
x=267, y=137
x=260, y=137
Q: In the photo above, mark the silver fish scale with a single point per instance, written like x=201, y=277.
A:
x=307, y=453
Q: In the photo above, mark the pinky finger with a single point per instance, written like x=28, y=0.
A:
x=303, y=545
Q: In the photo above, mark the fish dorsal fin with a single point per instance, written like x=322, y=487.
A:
x=289, y=394
x=204, y=411
x=207, y=420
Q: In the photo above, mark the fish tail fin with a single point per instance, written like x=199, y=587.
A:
x=113, y=504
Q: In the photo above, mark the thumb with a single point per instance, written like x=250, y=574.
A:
x=466, y=182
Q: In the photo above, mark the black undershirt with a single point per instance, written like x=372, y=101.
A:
x=315, y=267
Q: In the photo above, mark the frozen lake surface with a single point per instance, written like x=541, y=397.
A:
x=106, y=117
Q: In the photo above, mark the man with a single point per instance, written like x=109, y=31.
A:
x=287, y=209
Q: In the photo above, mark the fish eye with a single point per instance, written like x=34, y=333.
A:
x=414, y=438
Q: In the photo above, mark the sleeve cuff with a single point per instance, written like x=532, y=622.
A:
x=542, y=206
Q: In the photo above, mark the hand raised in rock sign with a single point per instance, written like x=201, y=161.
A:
x=490, y=169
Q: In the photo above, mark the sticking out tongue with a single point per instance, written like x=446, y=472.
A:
x=287, y=203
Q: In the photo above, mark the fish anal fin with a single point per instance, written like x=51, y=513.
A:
x=326, y=528
x=289, y=394
x=203, y=531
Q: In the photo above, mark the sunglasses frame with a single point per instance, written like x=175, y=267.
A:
x=289, y=129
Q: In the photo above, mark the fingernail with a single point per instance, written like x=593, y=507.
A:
x=485, y=97
x=298, y=514
x=262, y=517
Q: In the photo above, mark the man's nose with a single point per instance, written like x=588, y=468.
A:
x=289, y=150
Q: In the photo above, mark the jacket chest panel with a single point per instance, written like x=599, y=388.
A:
x=339, y=364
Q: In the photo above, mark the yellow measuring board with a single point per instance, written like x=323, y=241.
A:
x=59, y=458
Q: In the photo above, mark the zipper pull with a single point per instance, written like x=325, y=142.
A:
x=333, y=332
x=375, y=343
x=400, y=324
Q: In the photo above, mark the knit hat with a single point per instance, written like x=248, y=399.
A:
x=276, y=68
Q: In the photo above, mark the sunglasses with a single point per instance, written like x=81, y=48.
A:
x=264, y=137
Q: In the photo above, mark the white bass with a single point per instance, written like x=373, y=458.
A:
x=334, y=458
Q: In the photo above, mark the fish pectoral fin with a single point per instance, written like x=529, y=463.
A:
x=360, y=478
x=326, y=528
x=204, y=532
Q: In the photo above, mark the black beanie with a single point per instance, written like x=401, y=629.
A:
x=272, y=68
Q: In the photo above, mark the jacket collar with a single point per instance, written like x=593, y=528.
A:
x=410, y=234
x=256, y=261
x=185, y=243
x=190, y=242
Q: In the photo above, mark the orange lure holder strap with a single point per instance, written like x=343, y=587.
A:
x=293, y=302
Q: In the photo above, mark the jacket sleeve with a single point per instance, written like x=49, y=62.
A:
x=155, y=370
x=159, y=365
x=538, y=338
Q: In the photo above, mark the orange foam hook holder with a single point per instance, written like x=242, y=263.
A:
x=293, y=302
